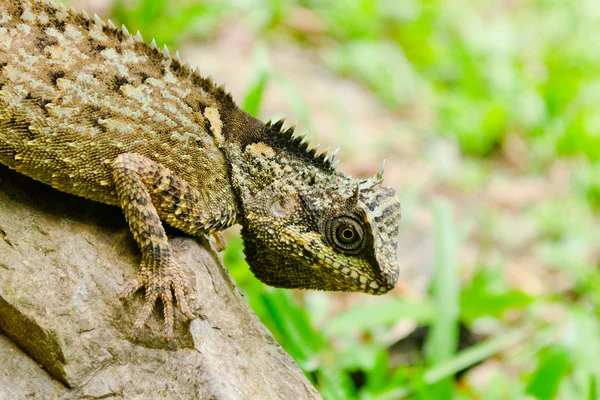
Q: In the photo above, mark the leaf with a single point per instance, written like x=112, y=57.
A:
x=552, y=367
x=488, y=296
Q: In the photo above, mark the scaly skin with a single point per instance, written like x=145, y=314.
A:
x=95, y=111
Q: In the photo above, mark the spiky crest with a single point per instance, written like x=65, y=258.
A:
x=276, y=135
x=122, y=34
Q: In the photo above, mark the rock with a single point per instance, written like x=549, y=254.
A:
x=66, y=335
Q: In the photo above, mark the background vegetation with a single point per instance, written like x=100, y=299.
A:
x=495, y=153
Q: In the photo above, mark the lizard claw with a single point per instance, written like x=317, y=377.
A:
x=160, y=282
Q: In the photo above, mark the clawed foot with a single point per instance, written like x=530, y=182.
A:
x=159, y=282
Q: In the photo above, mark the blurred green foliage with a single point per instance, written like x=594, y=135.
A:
x=483, y=70
x=167, y=21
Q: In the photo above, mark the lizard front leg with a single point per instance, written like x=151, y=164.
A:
x=149, y=192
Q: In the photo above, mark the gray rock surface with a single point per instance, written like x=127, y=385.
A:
x=65, y=334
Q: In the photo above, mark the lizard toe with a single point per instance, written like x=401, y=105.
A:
x=167, y=299
x=150, y=299
x=164, y=281
x=131, y=287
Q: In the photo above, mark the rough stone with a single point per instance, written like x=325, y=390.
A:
x=65, y=334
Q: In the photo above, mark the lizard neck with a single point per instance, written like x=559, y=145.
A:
x=240, y=128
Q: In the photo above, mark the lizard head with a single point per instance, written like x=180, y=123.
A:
x=308, y=226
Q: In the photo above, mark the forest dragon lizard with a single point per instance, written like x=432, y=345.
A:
x=93, y=110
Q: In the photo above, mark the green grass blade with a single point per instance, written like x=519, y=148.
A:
x=292, y=325
x=592, y=390
x=442, y=340
x=253, y=98
x=258, y=81
x=370, y=315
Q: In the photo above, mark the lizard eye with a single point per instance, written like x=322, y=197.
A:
x=346, y=234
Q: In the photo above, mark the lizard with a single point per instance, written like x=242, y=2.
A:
x=95, y=111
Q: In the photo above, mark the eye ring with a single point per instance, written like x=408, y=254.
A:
x=346, y=234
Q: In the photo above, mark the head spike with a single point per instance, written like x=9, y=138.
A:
x=177, y=56
x=138, y=37
x=197, y=71
x=380, y=173
x=165, y=51
x=125, y=31
x=97, y=20
x=111, y=25
x=85, y=15
x=188, y=65
x=354, y=197
x=279, y=124
x=153, y=45
x=332, y=156
x=334, y=164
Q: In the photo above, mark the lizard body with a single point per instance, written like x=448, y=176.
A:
x=93, y=110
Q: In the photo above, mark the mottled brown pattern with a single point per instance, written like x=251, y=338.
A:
x=94, y=111
x=76, y=94
x=100, y=95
